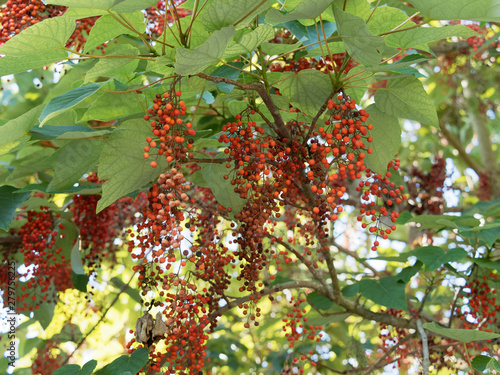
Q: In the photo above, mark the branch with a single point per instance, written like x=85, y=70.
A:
x=425, y=348
x=264, y=94
x=273, y=289
x=10, y=240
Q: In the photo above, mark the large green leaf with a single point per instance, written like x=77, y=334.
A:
x=482, y=363
x=112, y=106
x=98, y=4
x=464, y=335
x=107, y=27
x=222, y=13
x=122, y=162
x=87, y=369
x=387, y=291
x=306, y=9
x=476, y=10
x=38, y=45
x=128, y=6
x=213, y=173
x=434, y=257
x=386, y=134
x=76, y=158
x=9, y=201
x=66, y=101
x=406, y=98
x=307, y=90
x=385, y=19
x=360, y=43
x=15, y=132
x=196, y=60
x=132, y=363
x=423, y=35
x=111, y=67
x=250, y=41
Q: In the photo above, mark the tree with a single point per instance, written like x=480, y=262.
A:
x=250, y=186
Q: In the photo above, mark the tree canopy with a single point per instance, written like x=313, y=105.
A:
x=249, y=186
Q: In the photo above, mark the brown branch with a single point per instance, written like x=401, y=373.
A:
x=10, y=240
x=272, y=289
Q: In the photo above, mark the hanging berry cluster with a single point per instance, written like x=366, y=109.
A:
x=172, y=133
x=98, y=231
x=48, y=270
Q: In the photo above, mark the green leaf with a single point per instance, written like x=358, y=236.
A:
x=424, y=35
x=319, y=301
x=80, y=281
x=227, y=71
x=9, y=202
x=76, y=158
x=107, y=28
x=38, y=45
x=405, y=97
x=76, y=259
x=464, y=335
x=306, y=9
x=386, y=135
x=98, y=4
x=360, y=43
x=404, y=62
x=63, y=102
x=132, y=363
x=46, y=311
x=487, y=263
x=386, y=291
x=196, y=60
x=433, y=256
x=114, y=66
x=111, y=106
x=213, y=173
x=128, y=6
x=385, y=19
x=307, y=90
x=483, y=363
x=122, y=162
x=278, y=49
x=250, y=41
x=475, y=10
x=87, y=369
x=15, y=132
x=222, y=13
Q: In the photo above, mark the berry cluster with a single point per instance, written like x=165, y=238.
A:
x=296, y=323
x=331, y=63
x=98, y=231
x=426, y=189
x=49, y=358
x=17, y=15
x=48, y=269
x=171, y=131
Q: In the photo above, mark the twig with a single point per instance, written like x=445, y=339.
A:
x=425, y=348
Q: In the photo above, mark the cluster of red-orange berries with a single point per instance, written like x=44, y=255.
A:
x=172, y=133
x=98, y=231
x=47, y=269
